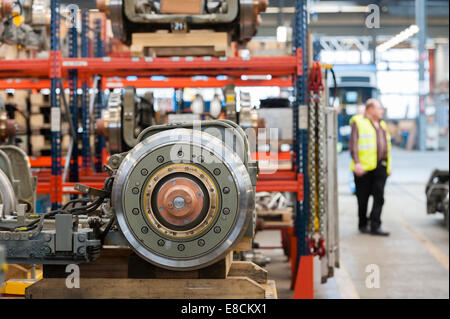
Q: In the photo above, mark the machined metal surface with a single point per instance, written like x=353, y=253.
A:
x=7, y=196
x=129, y=117
x=125, y=117
x=206, y=166
x=23, y=182
x=116, y=15
x=227, y=17
x=248, y=19
x=7, y=126
x=112, y=123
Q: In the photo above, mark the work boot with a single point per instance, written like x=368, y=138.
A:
x=379, y=232
x=364, y=229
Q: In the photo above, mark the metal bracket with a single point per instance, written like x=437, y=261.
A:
x=90, y=191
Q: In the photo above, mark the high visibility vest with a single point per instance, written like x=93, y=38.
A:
x=367, y=144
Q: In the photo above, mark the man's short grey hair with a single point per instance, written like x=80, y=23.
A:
x=371, y=102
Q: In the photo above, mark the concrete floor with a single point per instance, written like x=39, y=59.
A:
x=413, y=262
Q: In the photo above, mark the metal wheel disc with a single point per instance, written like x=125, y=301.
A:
x=182, y=199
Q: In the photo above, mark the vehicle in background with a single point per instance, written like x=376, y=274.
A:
x=437, y=194
x=356, y=83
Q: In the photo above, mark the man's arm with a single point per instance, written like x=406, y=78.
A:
x=353, y=143
x=353, y=146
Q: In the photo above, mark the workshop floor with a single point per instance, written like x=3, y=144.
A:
x=413, y=262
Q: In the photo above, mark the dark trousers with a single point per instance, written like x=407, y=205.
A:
x=371, y=183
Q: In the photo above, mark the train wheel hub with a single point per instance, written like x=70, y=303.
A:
x=180, y=201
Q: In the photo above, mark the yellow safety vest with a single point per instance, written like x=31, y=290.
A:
x=367, y=144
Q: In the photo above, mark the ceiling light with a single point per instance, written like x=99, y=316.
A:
x=399, y=38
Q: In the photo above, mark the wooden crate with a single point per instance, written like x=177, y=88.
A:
x=194, y=43
x=98, y=288
x=110, y=278
x=276, y=215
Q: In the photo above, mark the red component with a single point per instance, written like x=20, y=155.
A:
x=190, y=82
x=321, y=250
x=55, y=63
x=312, y=247
x=316, y=80
x=55, y=189
x=293, y=244
x=299, y=60
x=304, y=284
x=301, y=188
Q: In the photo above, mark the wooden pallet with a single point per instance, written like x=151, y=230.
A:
x=109, y=278
x=276, y=215
x=194, y=43
x=230, y=288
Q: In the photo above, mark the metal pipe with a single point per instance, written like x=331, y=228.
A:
x=421, y=22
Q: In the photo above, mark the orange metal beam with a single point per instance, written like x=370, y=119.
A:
x=189, y=82
x=177, y=82
x=122, y=67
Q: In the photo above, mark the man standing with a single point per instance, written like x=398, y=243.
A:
x=370, y=148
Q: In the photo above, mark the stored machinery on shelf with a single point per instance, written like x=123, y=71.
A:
x=125, y=117
x=8, y=127
x=25, y=22
x=240, y=18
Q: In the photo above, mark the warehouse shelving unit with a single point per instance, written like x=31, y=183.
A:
x=74, y=173
x=304, y=284
x=85, y=137
x=286, y=71
x=55, y=103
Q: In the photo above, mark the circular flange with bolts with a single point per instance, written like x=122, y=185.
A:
x=110, y=125
x=189, y=222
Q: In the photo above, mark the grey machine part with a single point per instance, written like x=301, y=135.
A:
x=437, y=194
x=329, y=156
x=248, y=116
x=215, y=161
x=14, y=165
x=125, y=117
x=8, y=201
x=332, y=258
x=240, y=18
x=230, y=103
x=205, y=173
x=23, y=244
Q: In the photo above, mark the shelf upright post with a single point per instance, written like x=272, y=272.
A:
x=100, y=142
x=304, y=278
x=73, y=106
x=301, y=133
x=85, y=116
x=55, y=78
